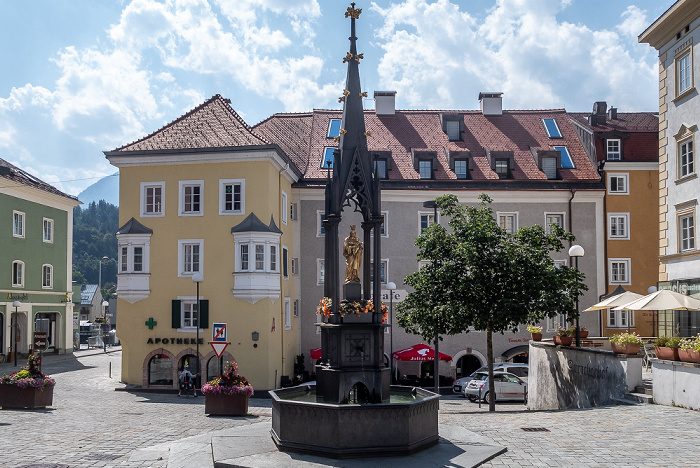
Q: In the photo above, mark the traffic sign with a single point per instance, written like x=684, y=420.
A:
x=219, y=347
x=219, y=332
x=41, y=341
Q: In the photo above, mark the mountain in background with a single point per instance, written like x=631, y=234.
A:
x=107, y=189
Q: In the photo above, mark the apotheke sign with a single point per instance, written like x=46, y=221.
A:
x=186, y=341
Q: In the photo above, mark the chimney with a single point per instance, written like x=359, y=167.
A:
x=599, y=109
x=491, y=103
x=385, y=102
x=612, y=113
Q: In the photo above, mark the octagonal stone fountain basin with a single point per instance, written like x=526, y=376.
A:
x=407, y=424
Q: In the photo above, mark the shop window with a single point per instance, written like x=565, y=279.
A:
x=160, y=370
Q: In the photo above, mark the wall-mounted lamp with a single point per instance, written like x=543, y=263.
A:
x=256, y=336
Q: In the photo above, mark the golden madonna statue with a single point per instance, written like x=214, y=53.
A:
x=352, y=251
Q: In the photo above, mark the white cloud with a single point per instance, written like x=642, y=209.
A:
x=634, y=22
x=27, y=95
x=434, y=54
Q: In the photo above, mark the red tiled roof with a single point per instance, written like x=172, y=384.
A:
x=290, y=132
x=18, y=176
x=516, y=131
x=213, y=124
x=626, y=122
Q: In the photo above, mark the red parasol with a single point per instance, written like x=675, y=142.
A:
x=315, y=354
x=419, y=352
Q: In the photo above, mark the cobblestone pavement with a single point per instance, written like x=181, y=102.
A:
x=90, y=424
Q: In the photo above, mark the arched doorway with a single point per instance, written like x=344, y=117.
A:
x=466, y=365
x=517, y=354
x=160, y=370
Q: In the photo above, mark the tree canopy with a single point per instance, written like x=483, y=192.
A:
x=478, y=275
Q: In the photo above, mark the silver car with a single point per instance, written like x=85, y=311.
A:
x=508, y=387
x=520, y=370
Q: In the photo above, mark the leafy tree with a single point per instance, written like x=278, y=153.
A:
x=94, y=237
x=480, y=276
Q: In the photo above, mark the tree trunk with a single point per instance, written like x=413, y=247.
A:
x=489, y=358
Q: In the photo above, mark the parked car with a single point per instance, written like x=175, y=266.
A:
x=508, y=387
x=520, y=370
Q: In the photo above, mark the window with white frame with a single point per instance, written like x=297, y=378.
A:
x=123, y=259
x=553, y=323
x=152, y=198
x=190, y=199
x=618, y=225
x=231, y=196
x=287, y=313
x=285, y=262
x=613, y=149
x=619, y=270
x=383, y=229
x=382, y=271
x=508, y=221
x=189, y=314
x=17, y=274
x=260, y=257
x=133, y=253
x=17, y=224
x=559, y=263
x=426, y=219
x=48, y=230
x=257, y=255
x=295, y=308
x=618, y=184
x=320, y=228
x=138, y=259
x=461, y=168
x=190, y=256
x=284, y=211
x=686, y=159
x=273, y=258
x=46, y=276
x=320, y=271
x=684, y=73
x=686, y=230
x=553, y=218
x=620, y=318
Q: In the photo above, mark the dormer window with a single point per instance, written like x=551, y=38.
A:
x=460, y=163
x=381, y=163
x=548, y=161
x=502, y=168
x=613, y=149
x=453, y=126
x=424, y=163
x=502, y=163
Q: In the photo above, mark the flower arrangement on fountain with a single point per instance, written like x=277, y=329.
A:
x=351, y=307
x=29, y=376
x=228, y=383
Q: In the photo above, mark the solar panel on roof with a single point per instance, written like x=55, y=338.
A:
x=566, y=161
x=552, y=128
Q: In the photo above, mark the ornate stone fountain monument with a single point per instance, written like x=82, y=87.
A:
x=353, y=411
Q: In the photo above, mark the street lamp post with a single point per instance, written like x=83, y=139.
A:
x=100, y=277
x=198, y=278
x=391, y=286
x=105, y=304
x=576, y=251
x=436, y=364
x=16, y=305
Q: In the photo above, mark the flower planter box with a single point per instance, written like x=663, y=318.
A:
x=668, y=354
x=12, y=396
x=226, y=405
x=536, y=336
x=689, y=355
x=563, y=340
x=357, y=318
x=583, y=333
x=626, y=348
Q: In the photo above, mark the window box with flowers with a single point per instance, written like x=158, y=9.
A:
x=536, y=332
x=227, y=394
x=27, y=388
x=352, y=311
x=626, y=343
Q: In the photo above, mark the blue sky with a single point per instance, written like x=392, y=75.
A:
x=81, y=76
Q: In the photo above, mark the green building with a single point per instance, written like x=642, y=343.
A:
x=36, y=248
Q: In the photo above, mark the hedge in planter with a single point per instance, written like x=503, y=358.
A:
x=28, y=387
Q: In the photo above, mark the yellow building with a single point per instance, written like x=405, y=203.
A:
x=205, y=195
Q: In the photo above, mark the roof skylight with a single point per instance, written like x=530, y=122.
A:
x=552, y=128
x=334, y=128
x=327, y=157
x=566, y=161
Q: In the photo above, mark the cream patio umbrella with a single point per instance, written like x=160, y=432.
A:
x=664, y=299
x=615, y=301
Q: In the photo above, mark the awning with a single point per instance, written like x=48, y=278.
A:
x=315, y=353
x=419, y=352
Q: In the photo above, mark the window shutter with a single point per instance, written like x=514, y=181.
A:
x=176, y=313
x=549, y=167
x=204, y=313
x=452, y=127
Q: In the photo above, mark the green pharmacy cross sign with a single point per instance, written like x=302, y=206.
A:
x=151, y=323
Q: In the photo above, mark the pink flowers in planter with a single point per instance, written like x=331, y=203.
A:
x=229, y=383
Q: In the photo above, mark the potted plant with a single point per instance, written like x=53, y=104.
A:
x=536, y=332
x=28, y=387
x=667, y=348
x=227, y=394
x=626, y=343
x=689, y=350
x=564, y=336
x=583, y=332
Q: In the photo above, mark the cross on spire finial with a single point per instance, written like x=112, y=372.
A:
x=353, y=12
